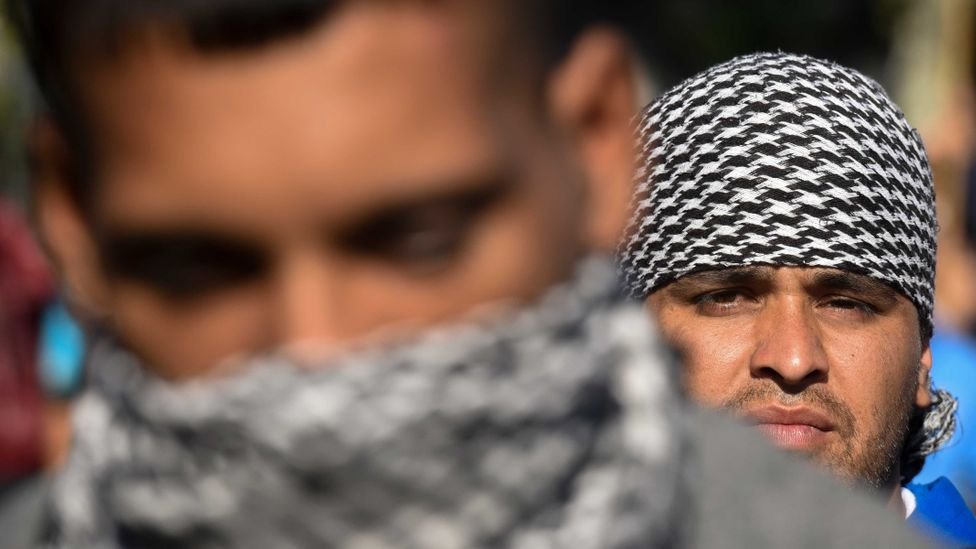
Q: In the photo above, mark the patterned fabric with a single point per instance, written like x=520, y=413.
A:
x=930, y=430
x=778, y=159
x=549, y=427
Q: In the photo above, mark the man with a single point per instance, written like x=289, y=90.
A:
x=784, y=237
x=267, y=200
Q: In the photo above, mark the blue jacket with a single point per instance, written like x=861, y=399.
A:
x=941, y=513
x=954, y=369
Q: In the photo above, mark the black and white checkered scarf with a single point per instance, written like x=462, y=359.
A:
x=778, y=159
x=787, y=160
x=548, y=427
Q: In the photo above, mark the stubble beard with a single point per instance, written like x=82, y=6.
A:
x=857, y=457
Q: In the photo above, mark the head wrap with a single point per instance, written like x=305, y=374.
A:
x=553, y=426
x=786, y=160
x=778, y=159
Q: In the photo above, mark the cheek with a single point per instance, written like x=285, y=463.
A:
x=875, y=374
x=180, y=342
x=715, y=356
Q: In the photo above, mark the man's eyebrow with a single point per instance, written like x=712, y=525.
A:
x=152, y=237
x=470, y=192
x=855, y=283
x=725, y=277
x=145, y=249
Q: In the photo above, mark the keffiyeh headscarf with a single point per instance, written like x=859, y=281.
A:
x=548, y=427
x=787, y=160
x=778, y=159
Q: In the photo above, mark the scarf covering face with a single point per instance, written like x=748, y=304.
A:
x=551, y=426
x=778, y=159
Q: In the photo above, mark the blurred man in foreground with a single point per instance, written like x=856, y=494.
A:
x=784, y=236
x=267, y=199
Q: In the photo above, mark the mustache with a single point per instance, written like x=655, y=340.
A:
x=817, y=397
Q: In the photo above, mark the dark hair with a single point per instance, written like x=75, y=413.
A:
x=55, y=31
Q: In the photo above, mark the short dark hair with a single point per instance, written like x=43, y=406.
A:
x=55, y=32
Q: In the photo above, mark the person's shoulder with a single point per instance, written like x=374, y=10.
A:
x=21, y=512
x=749, y=495
x=941, y=510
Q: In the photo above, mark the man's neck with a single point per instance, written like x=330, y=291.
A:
x=896, y=503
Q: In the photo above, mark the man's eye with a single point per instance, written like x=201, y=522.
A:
x=182, y=269
x=849, y=306
x=430, y=238
x=723, y=302
x=426, y=235
x=193, y=279
x=424, y=240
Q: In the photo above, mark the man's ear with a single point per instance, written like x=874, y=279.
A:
x=923, y=395
x=593, y=94
x=63, y=229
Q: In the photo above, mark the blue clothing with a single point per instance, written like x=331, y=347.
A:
x=941, y=513
x=954, y=369
x=62, y=352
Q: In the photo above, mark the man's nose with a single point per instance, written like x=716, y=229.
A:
x=308, y=303
x=790, y=349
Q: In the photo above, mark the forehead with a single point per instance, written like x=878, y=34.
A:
x=377, y=96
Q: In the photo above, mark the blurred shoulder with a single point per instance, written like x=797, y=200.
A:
x=746, y=494
x=21, y=512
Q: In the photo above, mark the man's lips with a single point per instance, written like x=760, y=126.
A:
x=791, y=428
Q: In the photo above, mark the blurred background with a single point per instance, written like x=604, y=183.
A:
x=922, y=51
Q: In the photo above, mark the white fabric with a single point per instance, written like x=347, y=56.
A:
x=908, y=500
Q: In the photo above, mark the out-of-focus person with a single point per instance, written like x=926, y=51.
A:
x=25, y=288
x=350, y=261
x=935, y=60
x=784, y=236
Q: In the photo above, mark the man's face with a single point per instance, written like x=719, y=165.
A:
x=824, y=362
x=363, y=177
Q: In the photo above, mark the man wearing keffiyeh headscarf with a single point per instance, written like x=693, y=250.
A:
x=280, y=193
x=784, y=234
